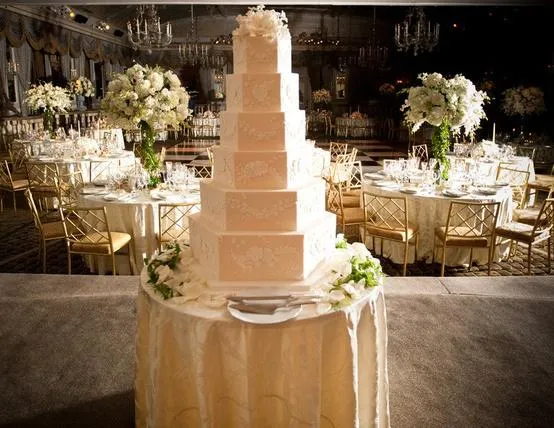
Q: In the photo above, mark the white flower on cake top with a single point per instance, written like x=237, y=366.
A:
x=264, y=23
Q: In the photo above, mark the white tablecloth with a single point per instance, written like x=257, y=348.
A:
x=490, y=167
x=139, y=218
x=199, y=367
x=429, y=211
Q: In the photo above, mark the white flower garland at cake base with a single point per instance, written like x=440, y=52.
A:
x=353, y=273
x=260, y=22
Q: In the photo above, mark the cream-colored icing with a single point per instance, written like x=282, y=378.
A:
x=261, y=55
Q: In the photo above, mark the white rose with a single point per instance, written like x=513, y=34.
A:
x=336, y=296
x=164, y=273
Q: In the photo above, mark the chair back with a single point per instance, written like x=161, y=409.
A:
x=355, y=181
x=420, y=151
x=334, y=197
x=472, y=220
x=337, y=149
x=545, y=220
x=210, y=152
x=69, y=184
x=34, y=211
x=86, y=227
x=5, y=175
x=201, y=171
x=174, y=223
x=20, y=152
x=517, y=178
x=526, y=151
x=385, y=212
x=42, y=175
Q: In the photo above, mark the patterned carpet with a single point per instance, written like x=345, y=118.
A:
x=19, y=242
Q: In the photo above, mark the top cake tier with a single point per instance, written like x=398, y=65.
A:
x=261, y=55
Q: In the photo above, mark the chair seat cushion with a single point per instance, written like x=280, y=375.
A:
x=20, y=184
x=464, y=237
x=351, y=201
x=53, y=230
x=353, y=192
x=87, y=245
x=521, y=232
x=353, y=215
x=390, y=231
x=527, y=215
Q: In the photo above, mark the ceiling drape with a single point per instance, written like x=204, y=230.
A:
x=53, y=39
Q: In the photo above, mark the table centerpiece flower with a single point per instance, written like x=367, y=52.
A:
x=83, y=88
x=321, y=97
x=48, y=99
x=446, y=104
x=148, y=99
x=261, y=22
x=523, y=101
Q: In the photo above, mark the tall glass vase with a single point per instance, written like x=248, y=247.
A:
x=48, y=121
x=440, y=145
x=149, y=159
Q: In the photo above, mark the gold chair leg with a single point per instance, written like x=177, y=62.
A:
x=549, y=251
x=43, y=256
x=470, y=259
x=490, y=259
x=415, y=247
x=113, y=263
x=14, y=203
x=443, y=258
x=68, y=262
x=406, y=248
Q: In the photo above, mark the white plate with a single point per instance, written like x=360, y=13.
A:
x=373, y=176
x=487, y=191
x=280, y=315
x=157, y=197
x=111, y=197
x=409, y=190
x=92, y=191
x=500, y=184
x=386, y=183
x=453, y=193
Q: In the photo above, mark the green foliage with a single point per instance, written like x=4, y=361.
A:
x=440, y=145
x=170, y=257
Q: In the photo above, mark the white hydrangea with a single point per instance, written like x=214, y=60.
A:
x=46, y=96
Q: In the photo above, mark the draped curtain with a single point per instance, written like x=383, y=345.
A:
x=207, y=77
x=3, y=70
x=23, y=56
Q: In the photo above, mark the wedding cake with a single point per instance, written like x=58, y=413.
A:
x=263, y=221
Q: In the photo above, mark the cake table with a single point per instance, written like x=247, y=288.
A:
x=199, y=367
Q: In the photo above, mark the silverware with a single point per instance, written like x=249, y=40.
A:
x=269, y=308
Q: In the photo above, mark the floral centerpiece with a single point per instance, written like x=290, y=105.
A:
x=523, y=101
x=149, y=99
x=358, y=115
x=447, y=104
x=49, y=99
x=82, y=86
x=321, y=96
x=261, y=22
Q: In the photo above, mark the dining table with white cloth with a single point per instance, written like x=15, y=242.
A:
x=113, y=134
x=489, y=166
x=197, y=366
x=428, y=211
x=94, y=168
x=136, y=214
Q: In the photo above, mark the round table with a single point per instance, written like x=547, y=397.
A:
x=427, y=211
x=199, y=367
x=138, y=216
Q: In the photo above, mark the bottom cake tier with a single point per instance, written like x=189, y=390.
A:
x=248, y=259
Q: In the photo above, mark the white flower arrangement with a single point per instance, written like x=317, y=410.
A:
x=321, y=96
x=46, y=96
x=523, y=101
x=262, y=23
x=455, y=100
x=354, y=273
x=82, y=86
x=146, y=94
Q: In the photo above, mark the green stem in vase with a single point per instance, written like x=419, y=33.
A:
x=149, y=158
x=48, y=121
x=440, y=144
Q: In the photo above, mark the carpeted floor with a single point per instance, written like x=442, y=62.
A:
x=463, y=352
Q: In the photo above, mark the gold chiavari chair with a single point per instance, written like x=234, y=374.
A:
x=354, y=184
x=386, y=218
x=174, y=223
x=468, y=225
x=420, y=151
x=69, y=183
x=20, y=152
x=42, y=177
x=336, y=149
x=48, y=230
x=347, y=215
x=8, y=184
x=87, y=232
x=517, y=179
x=531, y=235
x=210, y=152
x=201, y=171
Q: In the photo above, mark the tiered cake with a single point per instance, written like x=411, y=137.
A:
x=263, y=220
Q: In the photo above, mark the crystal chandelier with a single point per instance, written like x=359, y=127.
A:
x=145, y=31
x=194, y=53
x=416, y=33
x=373, y=55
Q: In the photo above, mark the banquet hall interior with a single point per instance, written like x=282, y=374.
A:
x=458, y=212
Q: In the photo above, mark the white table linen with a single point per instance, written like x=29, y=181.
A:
x=429, y=211
x=199, y=367
x=137, y=216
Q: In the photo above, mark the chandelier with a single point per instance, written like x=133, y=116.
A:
x=373, y=55
x=145, y=31
x=416, y=33
x=195, y=53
